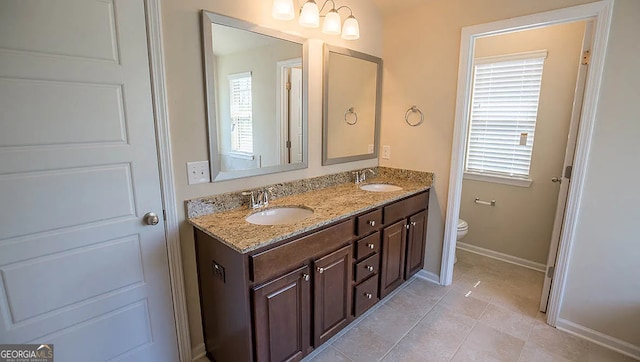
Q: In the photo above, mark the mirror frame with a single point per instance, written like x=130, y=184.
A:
x=328, y=49
x=217, y=174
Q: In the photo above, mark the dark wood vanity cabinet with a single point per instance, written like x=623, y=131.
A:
x=281, y=301
x=394, y=241
x=416, y=236
x=332, y=294
x=282, y=317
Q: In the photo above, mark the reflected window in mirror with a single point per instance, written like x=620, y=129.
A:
x=256, y=105
x=351, y=117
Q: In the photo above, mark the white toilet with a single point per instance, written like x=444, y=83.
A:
x=463, y=229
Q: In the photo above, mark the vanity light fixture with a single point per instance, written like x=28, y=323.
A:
x=310, y=16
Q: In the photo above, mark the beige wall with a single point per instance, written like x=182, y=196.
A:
x=185, y=85
x=603, y=285
x=521, y=222
x=603, y=290
x=421, y=47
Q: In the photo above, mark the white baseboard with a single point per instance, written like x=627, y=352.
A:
x=427, y=275
x=596, y=337
x=501, y=256
x=199, y=353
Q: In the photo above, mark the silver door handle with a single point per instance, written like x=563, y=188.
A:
x=556, y=179
x=151, y=218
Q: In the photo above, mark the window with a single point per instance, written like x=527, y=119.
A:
x=504, y=108
x=241, y=113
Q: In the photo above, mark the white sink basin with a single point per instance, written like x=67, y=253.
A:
x=381, y=187
x=280, y=215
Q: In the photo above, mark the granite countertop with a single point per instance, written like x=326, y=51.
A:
x=329, y=204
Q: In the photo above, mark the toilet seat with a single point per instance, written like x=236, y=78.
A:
x=462, y=225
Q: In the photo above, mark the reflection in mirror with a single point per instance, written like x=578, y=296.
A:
x=256, y=105
x=352, y=88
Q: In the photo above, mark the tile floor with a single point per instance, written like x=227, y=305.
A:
x=490, y=313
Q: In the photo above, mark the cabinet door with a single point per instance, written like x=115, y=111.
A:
x=332, y=294
x=416, y=243
x=282, y=317
x=393, y=253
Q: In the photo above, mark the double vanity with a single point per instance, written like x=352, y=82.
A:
x=283, y=268
x=276, y=292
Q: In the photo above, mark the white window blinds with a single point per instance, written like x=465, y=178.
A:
x=504, y=108
x=241, y=112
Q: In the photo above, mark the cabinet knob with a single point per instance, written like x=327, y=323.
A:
x=371, y=246
x=372, y=223
x=369, y=268
x=407, y=226
x=413, y=223
x=305, y=277
x=320, y=270
x=368, y=295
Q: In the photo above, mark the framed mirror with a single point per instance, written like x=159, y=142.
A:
x=351, y=115
x=256, y=89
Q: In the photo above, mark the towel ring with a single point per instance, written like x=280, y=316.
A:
x=413, y=109
x=351, y=111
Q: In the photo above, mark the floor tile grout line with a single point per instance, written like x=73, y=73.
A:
x=477, y=321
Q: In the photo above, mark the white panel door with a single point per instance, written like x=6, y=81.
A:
x=78, y=171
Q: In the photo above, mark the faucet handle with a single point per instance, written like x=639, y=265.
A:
x=357, y=174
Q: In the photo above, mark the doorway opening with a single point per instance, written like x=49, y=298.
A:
x=582, y=117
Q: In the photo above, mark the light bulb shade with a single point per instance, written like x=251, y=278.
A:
x=310, y=15
x=351, y=29
x=332, y=23
x=283, y=9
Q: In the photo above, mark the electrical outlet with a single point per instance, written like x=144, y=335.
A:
x=370, y=148
x=198, y=172
x=218, y=270
x=386, y=152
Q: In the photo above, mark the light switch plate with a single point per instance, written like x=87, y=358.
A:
x=386, y=152
x=198, y=172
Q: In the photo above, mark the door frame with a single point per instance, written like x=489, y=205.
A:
x=282, y=106
x=601, y=13
x=153, y=14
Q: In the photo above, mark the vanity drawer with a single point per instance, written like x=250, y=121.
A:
x=406, y=207
x=367, y=246
x=366, y=295
x=369, y=222
x=277, y=261
x=366, y=268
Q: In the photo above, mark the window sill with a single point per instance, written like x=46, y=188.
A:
x=505, y=180
x=242, y=155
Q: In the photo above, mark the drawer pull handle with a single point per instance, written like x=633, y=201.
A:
x=320, y=270
x=305, y=277
x=368, y=295
x=372, y=223
x=371, y=246
x=413, y=223
x=369, y=268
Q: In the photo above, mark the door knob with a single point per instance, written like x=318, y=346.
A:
x=151, y=218
x=556, y=179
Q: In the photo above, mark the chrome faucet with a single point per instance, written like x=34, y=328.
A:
x=259, y=198
x=361, y=176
